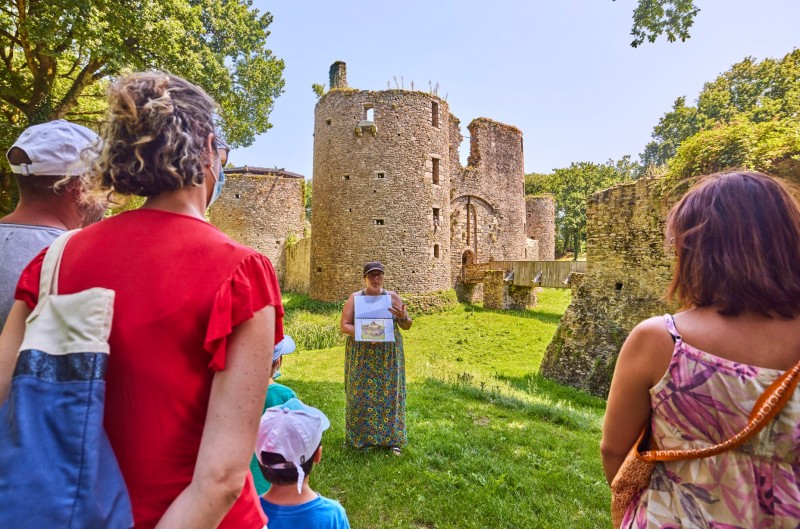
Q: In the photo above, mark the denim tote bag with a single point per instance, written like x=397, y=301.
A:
x=57, y=468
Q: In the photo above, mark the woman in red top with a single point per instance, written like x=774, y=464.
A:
x=195, y=315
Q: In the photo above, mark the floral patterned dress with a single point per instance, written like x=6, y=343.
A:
x=704, y=400
x=375, y=387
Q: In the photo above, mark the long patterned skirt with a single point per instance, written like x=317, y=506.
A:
x=375, y=386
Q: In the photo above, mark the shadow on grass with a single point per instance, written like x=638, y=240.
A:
x=536, y=384
x=542, y=316
x=543, y=408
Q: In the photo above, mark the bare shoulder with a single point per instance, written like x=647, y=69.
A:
x=648, y=350
x=652, y=331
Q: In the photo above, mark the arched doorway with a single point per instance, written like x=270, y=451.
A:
x=468, y=257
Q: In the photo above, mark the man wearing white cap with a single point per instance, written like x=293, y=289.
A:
x=288, y=445
x=41, y=157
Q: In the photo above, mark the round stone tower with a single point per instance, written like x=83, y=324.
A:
x=381, y=191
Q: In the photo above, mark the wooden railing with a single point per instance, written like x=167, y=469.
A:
x=552, y=274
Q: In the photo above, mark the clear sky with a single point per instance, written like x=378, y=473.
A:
x=562, y=71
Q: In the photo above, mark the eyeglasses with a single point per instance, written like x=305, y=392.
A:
x=375, y=274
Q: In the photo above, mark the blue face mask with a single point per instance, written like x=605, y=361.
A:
x=217, y=186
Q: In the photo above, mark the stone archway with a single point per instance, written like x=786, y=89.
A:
x=468, y=257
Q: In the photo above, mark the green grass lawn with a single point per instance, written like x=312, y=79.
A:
x=491, y=444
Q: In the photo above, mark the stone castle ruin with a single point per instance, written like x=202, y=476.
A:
x=388, y=186
x=628, y=269
x=262, y=208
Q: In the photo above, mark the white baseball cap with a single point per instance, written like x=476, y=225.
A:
x=54, y=148
x=294, y=431
x=284, y=347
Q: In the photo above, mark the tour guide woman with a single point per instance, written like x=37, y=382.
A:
x=374, y=374
x=195, y=314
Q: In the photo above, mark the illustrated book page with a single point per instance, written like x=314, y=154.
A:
x=374, y=322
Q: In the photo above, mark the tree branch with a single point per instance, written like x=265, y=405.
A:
x=10, y=37
x=69, y=100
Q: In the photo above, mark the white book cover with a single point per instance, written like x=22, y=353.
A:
x=373, y=321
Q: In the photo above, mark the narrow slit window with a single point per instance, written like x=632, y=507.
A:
x=378, y=222
x=369, y=113
x=436, y=251
x=436, y=214
x=435, y=170
x=435, y=114
x=380, y=175
x=327, y=122
x=346, y=177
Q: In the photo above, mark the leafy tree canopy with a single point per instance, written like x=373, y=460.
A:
x=572, y=186
x=771, y=146
x=653, y=18
x=751, y=91
x=57, y=56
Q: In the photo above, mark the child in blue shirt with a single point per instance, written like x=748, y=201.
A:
x=288, y=445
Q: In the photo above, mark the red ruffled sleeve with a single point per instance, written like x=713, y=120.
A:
x=252, y=286
x=28, y=285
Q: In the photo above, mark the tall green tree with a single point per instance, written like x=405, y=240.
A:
x=56, y=56
x=750, y=91
x=653, y=18
x=572, y=186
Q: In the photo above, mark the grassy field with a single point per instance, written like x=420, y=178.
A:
x=491, y=444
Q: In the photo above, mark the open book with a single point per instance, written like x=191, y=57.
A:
x=373, y=321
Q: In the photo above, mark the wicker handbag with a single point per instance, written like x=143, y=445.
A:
x=634, y=474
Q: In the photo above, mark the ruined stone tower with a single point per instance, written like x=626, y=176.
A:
x=381, y=189
x=262, y=208
x=540, y=215
x=488, y=197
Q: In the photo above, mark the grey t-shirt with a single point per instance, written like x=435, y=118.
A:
x=19, y=244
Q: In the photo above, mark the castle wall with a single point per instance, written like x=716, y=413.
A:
x=375, y=193
x=628, y=269
x=488, y=196
x=261, y=211
x=540, y=224
x=298, y=266
x=532, y=251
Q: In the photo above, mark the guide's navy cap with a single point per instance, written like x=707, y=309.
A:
x=372, y=266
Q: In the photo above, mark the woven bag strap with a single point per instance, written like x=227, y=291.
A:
x=765, y=409
x=48, y=277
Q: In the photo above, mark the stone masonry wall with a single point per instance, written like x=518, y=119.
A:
x=540, y=224
x=532, y=250
x=375, y=193
x=628, y=268
x=488, y=197
x=298, y=266
x=261, y=211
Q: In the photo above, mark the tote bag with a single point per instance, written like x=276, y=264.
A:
x=57, y=468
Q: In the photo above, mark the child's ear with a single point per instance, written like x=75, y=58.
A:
x=317, y=457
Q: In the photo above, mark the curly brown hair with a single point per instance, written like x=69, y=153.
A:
x=737, y=240
x=155, y=137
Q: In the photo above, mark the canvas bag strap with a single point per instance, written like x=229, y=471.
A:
x=48, y=278
x=765, y=409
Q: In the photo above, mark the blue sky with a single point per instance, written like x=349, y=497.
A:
x=562, y=71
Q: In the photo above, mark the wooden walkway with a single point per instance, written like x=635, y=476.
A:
x=551, y=274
